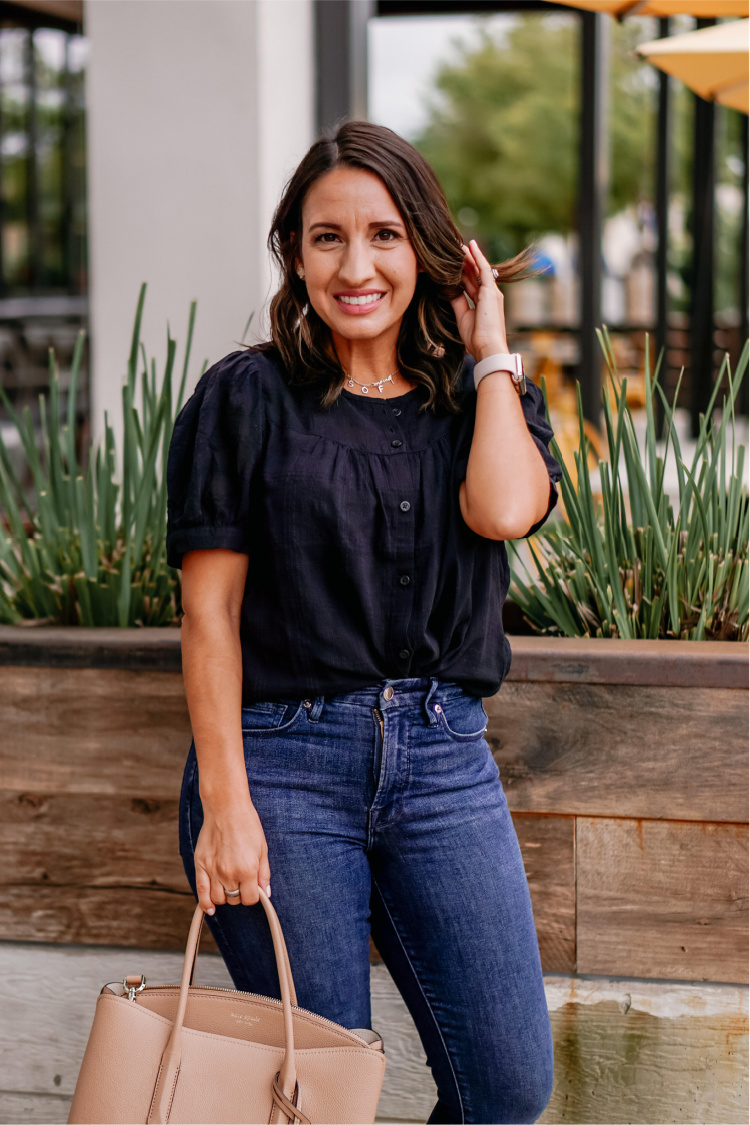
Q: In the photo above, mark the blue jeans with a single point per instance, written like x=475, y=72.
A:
x=405, y=834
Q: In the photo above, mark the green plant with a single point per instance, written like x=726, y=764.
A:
x=93, y=551
x=605, y=571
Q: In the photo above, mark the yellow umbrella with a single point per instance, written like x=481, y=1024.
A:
x=712, y=61
x=701, y=9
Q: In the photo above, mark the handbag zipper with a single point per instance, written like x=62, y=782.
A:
x=255, y=996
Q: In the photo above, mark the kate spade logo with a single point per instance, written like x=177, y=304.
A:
x=241, y=1017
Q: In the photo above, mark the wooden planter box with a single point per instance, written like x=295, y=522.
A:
x=625, y=768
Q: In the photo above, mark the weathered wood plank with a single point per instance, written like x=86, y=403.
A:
x=133, y=916
x=74, y=842
x=662, y=899
x=599, y=750
x=33, y=1109
x=647, y=1052
x=653, y=663
x=56, y=646
x=88, y=839
x=77, y=730
x=548, y=849
x=561, y=659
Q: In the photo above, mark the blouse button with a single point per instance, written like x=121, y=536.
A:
x=396, y=443
x=405, y=579
x=404, y=505
x=403, y=654
x=396, y=410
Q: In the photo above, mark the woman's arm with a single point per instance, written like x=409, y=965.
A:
x=231, y=849
x=507, y=486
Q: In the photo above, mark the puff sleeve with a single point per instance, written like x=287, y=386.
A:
x=536, y=421
x=216, y=448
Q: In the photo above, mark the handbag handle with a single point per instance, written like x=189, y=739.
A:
x=285, y=1085
x=287, y=966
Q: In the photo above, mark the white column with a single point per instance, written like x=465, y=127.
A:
x=285, y=115
x=197, y=112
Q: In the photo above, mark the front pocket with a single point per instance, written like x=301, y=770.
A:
x=462, y=717
x=270, y=716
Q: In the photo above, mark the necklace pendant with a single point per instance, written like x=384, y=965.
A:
x=351, y=382
x=365, y=391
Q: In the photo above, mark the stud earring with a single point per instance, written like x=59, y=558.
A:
x=301, y=272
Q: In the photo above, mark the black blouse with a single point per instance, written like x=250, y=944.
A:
x=361, y=566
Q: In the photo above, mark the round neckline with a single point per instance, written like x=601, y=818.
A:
x=377, y=397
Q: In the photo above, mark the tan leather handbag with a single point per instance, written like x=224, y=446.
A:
x=190, y=1055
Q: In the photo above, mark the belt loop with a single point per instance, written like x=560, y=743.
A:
x=431, y=719
x=314, y=712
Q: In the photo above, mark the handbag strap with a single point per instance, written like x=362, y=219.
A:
x=285, y=952
x=166, y=1079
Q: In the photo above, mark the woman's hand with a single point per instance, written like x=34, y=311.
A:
x=230, y=853
x=483, y=327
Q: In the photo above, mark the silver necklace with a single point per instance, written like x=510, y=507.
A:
x=377, y=383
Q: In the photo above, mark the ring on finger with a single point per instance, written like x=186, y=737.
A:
x=231, y=894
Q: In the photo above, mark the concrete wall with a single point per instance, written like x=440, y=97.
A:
x=198, y=110
x=625, y=1049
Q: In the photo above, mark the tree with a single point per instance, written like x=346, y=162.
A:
x=503, y=129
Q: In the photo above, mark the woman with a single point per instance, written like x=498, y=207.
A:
x=338, y=501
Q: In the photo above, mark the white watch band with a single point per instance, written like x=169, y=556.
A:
x=502, y=361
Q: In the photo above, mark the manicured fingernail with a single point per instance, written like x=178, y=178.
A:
x=212, y=910
x=268, y=890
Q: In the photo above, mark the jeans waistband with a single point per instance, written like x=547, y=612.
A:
x=394, y=692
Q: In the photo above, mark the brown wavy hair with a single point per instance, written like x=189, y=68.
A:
x=429, y=348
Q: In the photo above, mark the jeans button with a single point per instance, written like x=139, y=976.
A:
x=388, y=692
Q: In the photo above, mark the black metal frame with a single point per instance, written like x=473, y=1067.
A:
x=592, y=190
x=663, y=183
x=38, y=281
x=18, y=15
x=702, y=272
x=744, y=396
x=341, y=60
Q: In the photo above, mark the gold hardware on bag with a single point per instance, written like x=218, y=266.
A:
x=131, y=988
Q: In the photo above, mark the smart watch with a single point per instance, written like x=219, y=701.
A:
x=502, y=361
